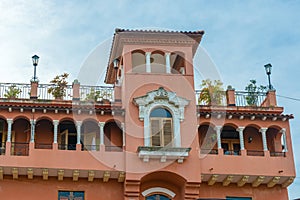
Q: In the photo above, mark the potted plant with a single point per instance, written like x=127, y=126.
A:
x=93, y=95
x=212, y=92
x=105, y=96
x=253, y=91
x=12, y=92
x=58, y=90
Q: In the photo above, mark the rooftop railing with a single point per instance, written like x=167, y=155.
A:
x=238, y=98
x=23, y=91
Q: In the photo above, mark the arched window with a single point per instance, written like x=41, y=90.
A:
x=161, y=127
x=157, y=197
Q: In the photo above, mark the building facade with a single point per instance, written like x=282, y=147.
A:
x=148, y=137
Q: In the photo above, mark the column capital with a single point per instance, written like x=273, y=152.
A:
x=55, y=122
x=101, y=124
x=78, y=123
x=240, y=128
x=263, y=130
x=9, y=121
x=148, y=53
x=218, y=128
x=32, y=121
x=167, y=53
x=283, y=130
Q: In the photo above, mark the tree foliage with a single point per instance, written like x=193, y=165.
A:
x=60, y=85
x=253, y=92
x=212, y=92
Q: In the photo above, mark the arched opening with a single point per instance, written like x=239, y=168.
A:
x=162, y=185
x=158, y=64
x=138, y=61
x=3, y=135
x=177, y=61
x=207, y=139
x=67, y=135
x=20, y=137
x=275, y=142
x=230, y=141
x=90, y=136
x=113, y=136
x=253, y=141
x=161, y=127
x=157, y=197
x=44, y=134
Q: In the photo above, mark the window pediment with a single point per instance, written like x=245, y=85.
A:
x=161, y=97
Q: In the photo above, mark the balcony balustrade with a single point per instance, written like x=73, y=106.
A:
x=19, y=149
x=85, y=91
x=241, y=98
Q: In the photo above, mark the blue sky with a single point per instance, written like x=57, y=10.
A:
x=240, y=37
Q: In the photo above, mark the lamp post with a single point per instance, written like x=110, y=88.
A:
x=35, y=62
x=116, y=66
x=268, y=68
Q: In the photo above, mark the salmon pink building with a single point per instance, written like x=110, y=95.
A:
x=147, y=136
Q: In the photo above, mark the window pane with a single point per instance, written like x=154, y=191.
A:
x=160, y=112
x=156, y=132
x=157, y=197
x=167, y=131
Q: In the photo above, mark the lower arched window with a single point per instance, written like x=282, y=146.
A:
x=161, y=127
x=157, y=197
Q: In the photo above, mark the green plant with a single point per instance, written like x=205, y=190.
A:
x=211, y=93
x=93, y=95
x=12, y=92
x=253, y=91
x=60, y=85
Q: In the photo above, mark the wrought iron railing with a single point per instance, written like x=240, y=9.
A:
x=6, y=90
x=255, y=153
x=209, y=151
x=44, y=94
x=67, y=146
x=2, y=148
x=43, y=145
x=114, y=148
x=96, y=93
x=232, y=152
x=19, y=149
x=22, y=91
x=249, y=98
x=90, y=147
x=220, y=100
x=277, y=154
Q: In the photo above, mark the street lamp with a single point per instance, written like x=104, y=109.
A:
x=268, y=68
x=35, y=62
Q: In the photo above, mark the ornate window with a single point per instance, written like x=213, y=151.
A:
x=157, y=197
x=161, y=127
x=74, y=195
x=168, y=110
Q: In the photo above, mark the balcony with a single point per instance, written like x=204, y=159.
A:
x=163, y=153
x=40, y=92
x=232, y=98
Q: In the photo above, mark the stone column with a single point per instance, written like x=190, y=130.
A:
x=283, y=131
x=9, y=125
x=101, y=125
x=168, y=65
x=123, y=133
x=264, y=138
x=32, y=128
x=241, y=134
x=148, y=62
x=55, y=124
x=78, y=127
x=218, y=132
